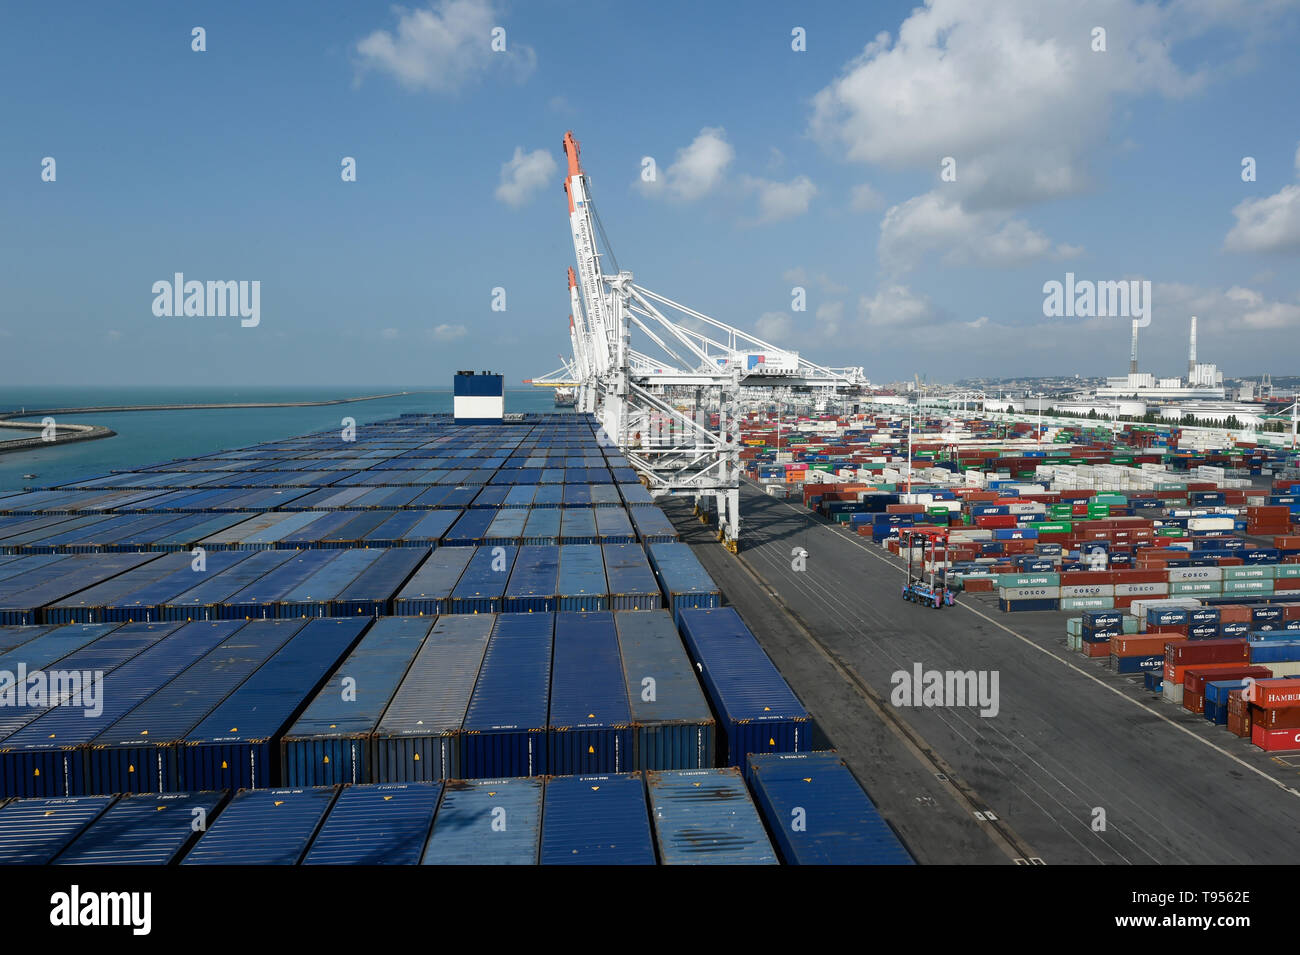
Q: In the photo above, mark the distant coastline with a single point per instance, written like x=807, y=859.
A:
x=68, y=433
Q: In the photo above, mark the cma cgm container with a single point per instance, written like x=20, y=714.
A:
x=581, y=585
x=632, y=583
x=47, y=757
x=705, y=816
x=818, y=814
x=672, y=725
x=138, y=752
x=34, y=831
x=376, y=825
x=487, y=822
x=596, y=820
x=237, y=746
x=504, y=733
x=428, y=592
x=590, y=729
x=331, y=740
x=758, y=711
x=263, y=827
x=532, y=584
x=417, y=739
x=149, y=829
x=682, y=579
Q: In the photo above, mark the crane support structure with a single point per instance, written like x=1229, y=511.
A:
x=673, y=403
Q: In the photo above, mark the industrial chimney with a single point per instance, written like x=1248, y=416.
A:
x=1191, y=354
x=1133, y=353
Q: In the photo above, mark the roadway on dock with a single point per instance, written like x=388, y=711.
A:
x=1070, y=737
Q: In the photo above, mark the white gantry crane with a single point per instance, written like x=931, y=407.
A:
x=673, y=409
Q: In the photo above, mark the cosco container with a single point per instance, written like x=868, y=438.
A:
x=331, y=741
x=150, y=829
x=417, y=740
x=706, y=817
x=505, y=731
x=376, y=825
x=237, y=745
x=596, y=820
x=263, y=827
x=672, y=725
x=487, y=822
x=757, y=710
x=818, y=814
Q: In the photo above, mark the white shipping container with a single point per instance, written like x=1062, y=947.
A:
x=1088, y=590
x=1141, y=590
x=1181, y=574
x=1029, y=593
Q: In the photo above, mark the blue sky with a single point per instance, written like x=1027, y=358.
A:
x=776, y=168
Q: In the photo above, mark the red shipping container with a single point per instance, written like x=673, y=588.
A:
x=1195, y=678
x=1234, y=613
x=1209, y=651
x=1138, y=646
x=1287, y=583
x=1101, y=649
x=1282, y=718
x=1277, y=694
x=1274, y=741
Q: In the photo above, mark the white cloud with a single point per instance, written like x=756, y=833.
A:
x=774, y=327
x=1271, y=224
x=896, y=306
x=829, y=315
x=698, y=169
x=448, y=333
x=865, y=199
x=932, y=223
x=442, y=47
x=388, y=334
x=781, y=200
x=524, y=174
x=981, y=322
x=1014, y=93
x=1235, y=309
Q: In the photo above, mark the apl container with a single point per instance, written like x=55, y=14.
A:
x=670, y=716
x=386, y=824
x=819, y=815
x=505, y=730
x=757, y=710
x=706, y=817
x=596, y=820
x=590, y=729
x=331, y=741
x=487, y=822
x=263, y=827
x=417, y=739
